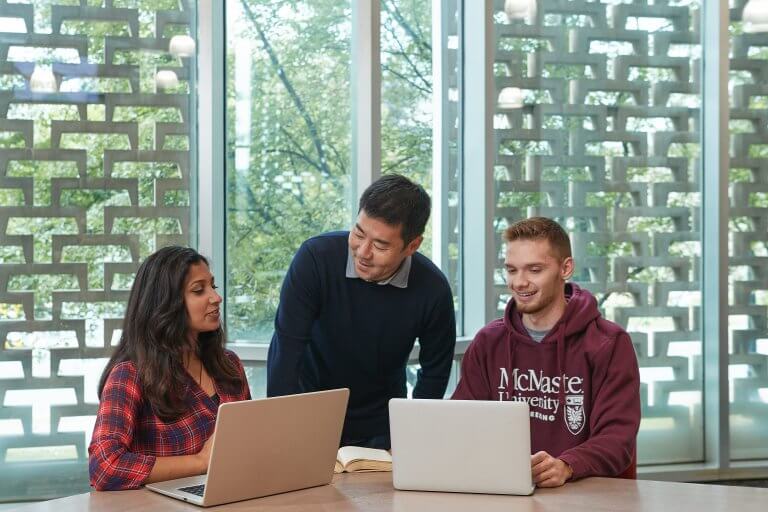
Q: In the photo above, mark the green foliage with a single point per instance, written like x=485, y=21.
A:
x=609, y=249
x=289, y=169
x=609, y=199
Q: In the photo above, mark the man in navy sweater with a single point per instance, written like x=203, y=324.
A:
x=352, y=305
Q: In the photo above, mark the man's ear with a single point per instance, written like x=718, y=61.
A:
x=566, y=268
x=413, y=246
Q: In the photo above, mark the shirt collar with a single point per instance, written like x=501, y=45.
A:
x=399, y=279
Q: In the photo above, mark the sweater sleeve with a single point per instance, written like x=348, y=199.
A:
x=111, y=464
x=474, y=383
x=615, y=415
x=298, y=308
x=436, y=346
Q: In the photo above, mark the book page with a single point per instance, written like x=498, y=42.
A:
x=357, y=458
x=348, y=454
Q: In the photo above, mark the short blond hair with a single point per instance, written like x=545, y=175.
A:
x=541, y=228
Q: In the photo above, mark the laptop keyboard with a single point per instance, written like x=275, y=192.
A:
x=197, y=490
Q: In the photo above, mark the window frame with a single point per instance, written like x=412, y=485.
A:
x=476, y=162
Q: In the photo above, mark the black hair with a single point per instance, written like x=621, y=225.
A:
x=398, y=201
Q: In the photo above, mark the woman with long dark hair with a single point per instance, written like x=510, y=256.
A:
x=161, y=389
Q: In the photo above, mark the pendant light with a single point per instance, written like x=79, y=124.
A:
x=510, y=97
x=165, y=79
x=42, y=79
x=755, y=16
x=520, y=9
x=182, y=46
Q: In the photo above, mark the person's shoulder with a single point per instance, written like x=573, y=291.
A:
x=605, y=335
x=233, y=357
x=490, y=334
x=493, y=328
x=329, y=239
x=124, y=371
x=427, y=271
x=123, y=381
x=331, y=244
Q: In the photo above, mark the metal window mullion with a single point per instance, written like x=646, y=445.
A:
x=444, y=21
x=366, y=96
x=715, y=138
x=440, y=159
x=211, y=175
x=478, y=104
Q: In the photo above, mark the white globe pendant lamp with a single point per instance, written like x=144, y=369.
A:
x=520, y=9
x=42, y=79
x=182, y=46
x=755, y=16
x=510, y=97
x=166, y=79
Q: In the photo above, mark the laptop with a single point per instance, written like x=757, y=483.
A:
x=461, y=446
x=267, y=446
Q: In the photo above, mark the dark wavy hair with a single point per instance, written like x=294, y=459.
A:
x=155, y=339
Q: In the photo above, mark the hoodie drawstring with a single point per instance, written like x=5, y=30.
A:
x=560, y=341
x=511, y=348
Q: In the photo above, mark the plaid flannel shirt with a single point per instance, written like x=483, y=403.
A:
x=128, y=436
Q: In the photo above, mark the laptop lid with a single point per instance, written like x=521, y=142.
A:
x=268, y=446
x=461, y=446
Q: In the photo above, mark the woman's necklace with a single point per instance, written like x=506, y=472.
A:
x=199, y=373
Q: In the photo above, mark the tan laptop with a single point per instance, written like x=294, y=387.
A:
x=267, y=446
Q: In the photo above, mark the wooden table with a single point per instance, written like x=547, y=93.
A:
x=374, y=492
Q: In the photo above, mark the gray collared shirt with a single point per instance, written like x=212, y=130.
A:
x=399, y=279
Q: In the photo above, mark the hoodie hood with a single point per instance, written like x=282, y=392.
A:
x=580, y=311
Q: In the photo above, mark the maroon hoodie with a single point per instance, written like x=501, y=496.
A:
x=596, y=430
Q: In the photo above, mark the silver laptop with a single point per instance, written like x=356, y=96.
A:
x=461, y=446
x=267, y=446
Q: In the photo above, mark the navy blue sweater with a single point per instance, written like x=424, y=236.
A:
x=332, y=331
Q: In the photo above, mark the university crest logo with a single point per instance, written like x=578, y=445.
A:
x=574, y=413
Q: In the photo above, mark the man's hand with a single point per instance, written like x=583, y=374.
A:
x=548, y=471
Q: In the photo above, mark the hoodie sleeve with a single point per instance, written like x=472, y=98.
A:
x=615, y=416
x=473, y=383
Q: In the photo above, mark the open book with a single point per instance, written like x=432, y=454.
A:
x=357, y=458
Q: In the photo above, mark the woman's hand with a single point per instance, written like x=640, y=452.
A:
x=204, y=455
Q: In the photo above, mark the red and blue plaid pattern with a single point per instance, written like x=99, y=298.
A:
x=128, y=436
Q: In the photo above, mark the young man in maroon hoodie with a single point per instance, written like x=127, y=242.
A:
x=577, y=371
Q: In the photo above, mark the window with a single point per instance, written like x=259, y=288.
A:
x=748, y=247
x=289, y=133
x=288, y=138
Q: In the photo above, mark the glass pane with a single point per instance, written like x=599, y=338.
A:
x=406, y=89
x=748, y=242
x=420, y=87
x=289, y=134
x=96, y=149
x=596, y=127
